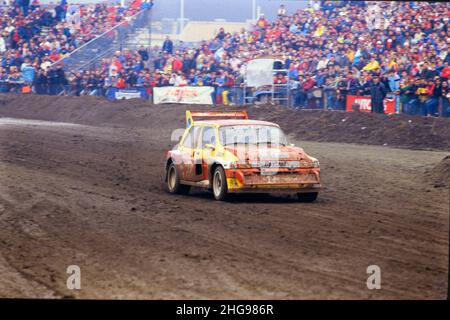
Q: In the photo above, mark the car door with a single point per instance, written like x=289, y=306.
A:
x=196, y=171
x=189, y=148
x=208, y=150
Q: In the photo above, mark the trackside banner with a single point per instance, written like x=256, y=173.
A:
x=365, y=104
x=188, y=95
x=121, y=94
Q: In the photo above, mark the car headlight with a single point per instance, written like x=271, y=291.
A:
x=316, y=163
x=230, y=165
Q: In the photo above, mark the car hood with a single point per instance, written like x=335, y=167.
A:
x=264, y=152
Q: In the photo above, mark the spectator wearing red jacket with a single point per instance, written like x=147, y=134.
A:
x=136, y=4
x=309, y=84
x=445, y=73
x=177, y=65
x=120, y=84
x=280, y=79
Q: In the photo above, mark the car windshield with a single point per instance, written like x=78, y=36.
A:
x=252, y=134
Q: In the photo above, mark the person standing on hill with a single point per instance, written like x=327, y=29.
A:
x=378, y=92
x=167, y=45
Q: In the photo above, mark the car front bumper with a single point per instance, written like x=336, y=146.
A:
x=300, y=180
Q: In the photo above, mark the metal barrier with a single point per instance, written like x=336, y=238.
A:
x=275, y=94
x=309, y=99
x=282, y=94
x=328, y=99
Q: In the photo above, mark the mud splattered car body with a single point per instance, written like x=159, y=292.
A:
x=228, y=153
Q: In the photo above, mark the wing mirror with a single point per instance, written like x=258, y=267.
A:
x=210, y=147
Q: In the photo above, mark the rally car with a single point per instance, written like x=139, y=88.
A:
x=228, y=153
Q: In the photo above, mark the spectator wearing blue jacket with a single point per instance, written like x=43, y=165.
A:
x=393, y=81
x=167, y=45
x=4, y=87
x=28, y=71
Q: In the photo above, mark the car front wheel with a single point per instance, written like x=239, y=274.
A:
x=219, y=184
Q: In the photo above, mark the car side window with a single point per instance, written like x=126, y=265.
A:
x=191, y=138
x=209, y=136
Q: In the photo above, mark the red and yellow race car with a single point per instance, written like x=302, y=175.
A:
x=228, y=153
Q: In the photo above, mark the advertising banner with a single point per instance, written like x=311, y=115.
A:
x=365, y=104
x=121, y=94
x=188, y=95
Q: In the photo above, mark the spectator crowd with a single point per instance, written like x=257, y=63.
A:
x=327, y=51
x=34, y=36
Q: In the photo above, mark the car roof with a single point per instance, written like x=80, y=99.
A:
x=235, y=122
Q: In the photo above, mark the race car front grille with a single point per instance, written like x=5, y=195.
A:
x=281, y=179
x=281, y=164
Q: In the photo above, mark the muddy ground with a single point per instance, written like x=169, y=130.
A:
x=83, y=186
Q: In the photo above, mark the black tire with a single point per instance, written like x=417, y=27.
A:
x=307, y=197
x=219, y=184
x=173, y=181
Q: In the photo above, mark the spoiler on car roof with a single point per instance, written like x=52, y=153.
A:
x=192, y=116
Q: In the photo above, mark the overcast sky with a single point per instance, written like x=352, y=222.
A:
x=204, y=10
x=231, y=10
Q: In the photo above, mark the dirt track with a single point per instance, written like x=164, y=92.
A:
x=91, y=194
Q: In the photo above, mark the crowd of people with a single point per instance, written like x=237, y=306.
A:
x=34, y=36
x=379, y=49
x=399, y=49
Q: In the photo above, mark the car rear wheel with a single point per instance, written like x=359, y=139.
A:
x=219, y=184
x=173, y=181
x=307, y=197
